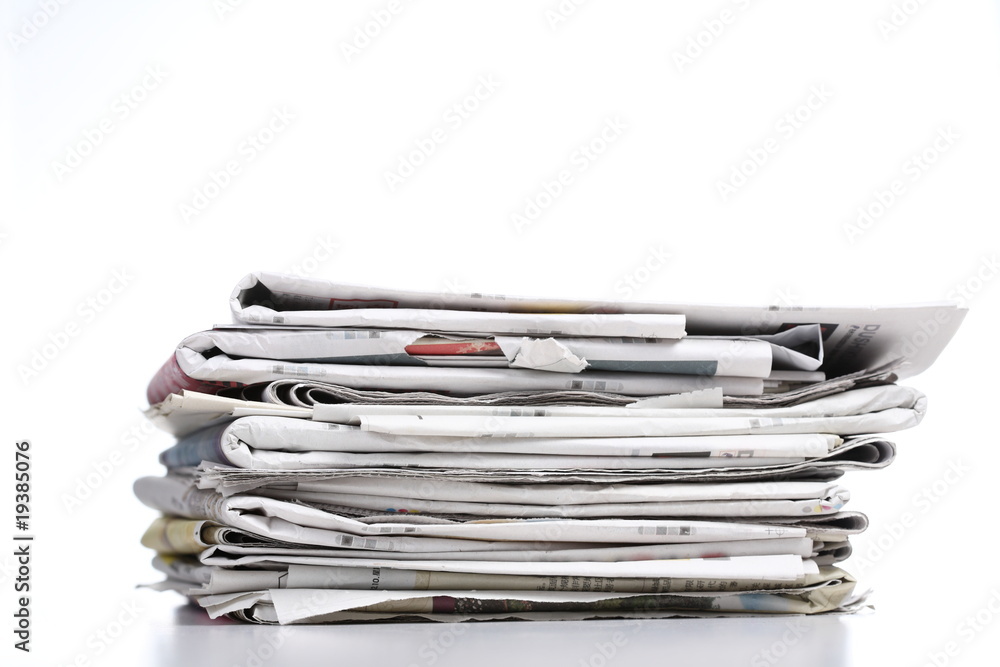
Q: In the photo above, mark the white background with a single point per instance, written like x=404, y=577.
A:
x=781, y=237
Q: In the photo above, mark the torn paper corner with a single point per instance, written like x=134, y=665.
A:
x=547, y=354
x=701, y=398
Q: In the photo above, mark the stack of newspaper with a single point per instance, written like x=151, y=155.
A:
x=353, y=453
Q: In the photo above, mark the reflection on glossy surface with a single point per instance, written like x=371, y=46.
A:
x=184, y=635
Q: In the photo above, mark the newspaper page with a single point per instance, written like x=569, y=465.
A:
x=291, y=605
x=703, y=355
x=751, y=573
x=854, y=337
x=299, y=524
x=275, y=555
x=191, y=369
x=868, y=453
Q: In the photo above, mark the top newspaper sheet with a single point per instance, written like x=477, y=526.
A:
x=855, y=338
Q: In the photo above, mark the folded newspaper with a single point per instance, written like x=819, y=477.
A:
x=358, y=454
